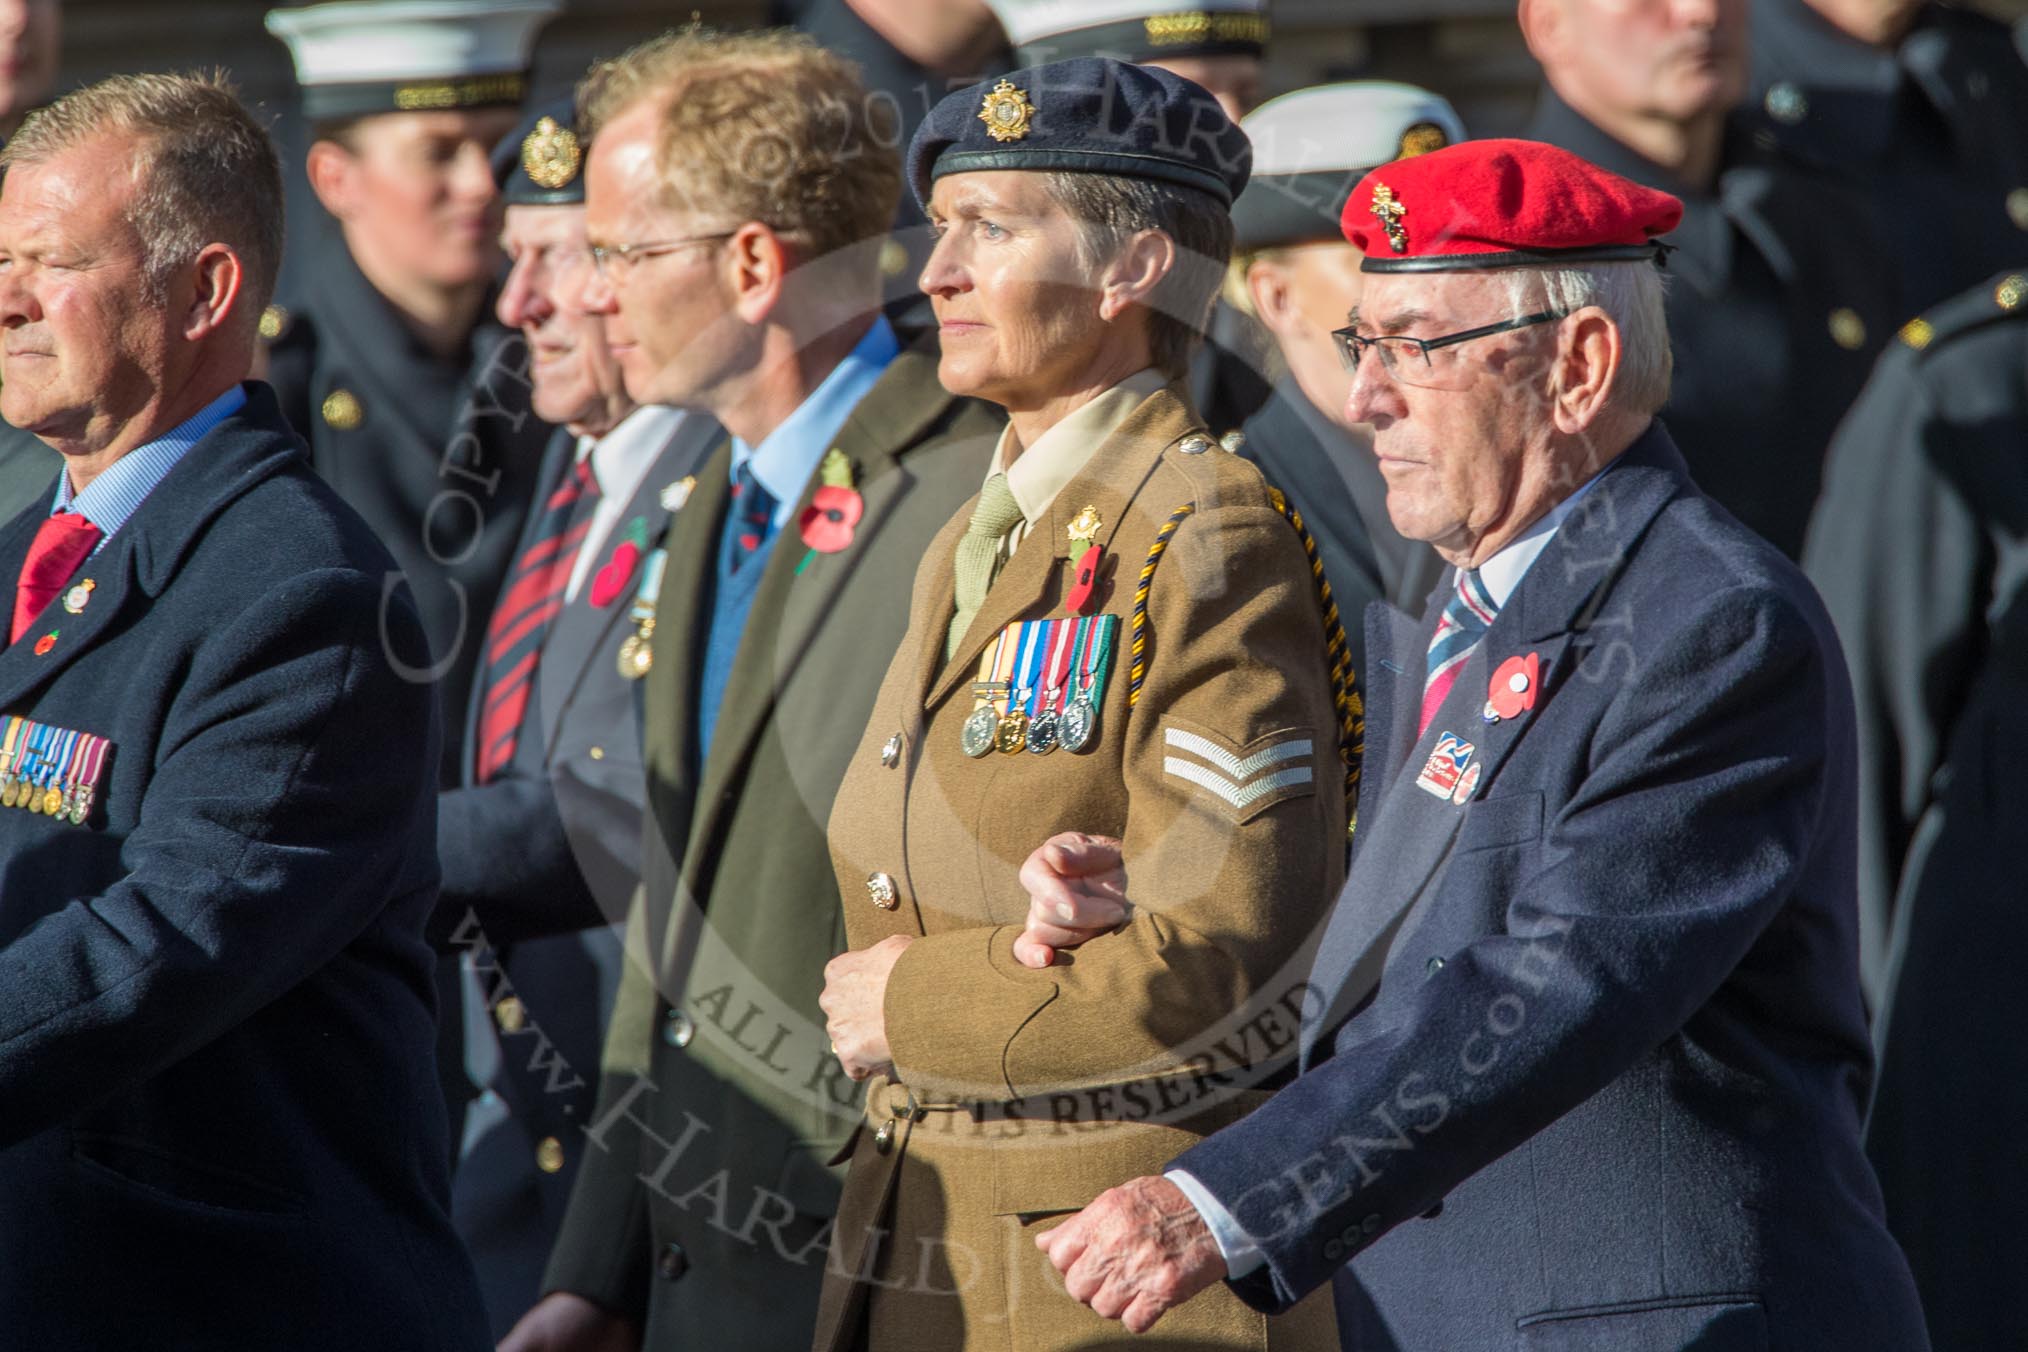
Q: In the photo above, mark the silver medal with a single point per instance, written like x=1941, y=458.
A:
x=1079, y=726
x=977, y=735
x=1043, y=733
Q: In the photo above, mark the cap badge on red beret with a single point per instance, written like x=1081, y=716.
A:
x=1006, y=112
x=1389, y=213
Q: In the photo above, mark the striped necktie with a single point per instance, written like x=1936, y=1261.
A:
x=531, y=603
x=1467, y=616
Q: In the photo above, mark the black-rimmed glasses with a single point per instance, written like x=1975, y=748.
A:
x=1427, y=362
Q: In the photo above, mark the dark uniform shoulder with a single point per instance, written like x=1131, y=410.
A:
x=2003, y=298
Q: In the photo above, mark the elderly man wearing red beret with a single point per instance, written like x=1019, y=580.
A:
x=1586, y=1058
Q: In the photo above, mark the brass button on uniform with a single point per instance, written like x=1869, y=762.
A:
x=1848, y=330
x=511, y=1014
x=343, y=411
x=672, y=1262
x=1195, y=445
x=2012, y=290
x=598, y=753
x=677, y=1029
x=549, y=1155
x=890, y=754
x=883, y=1140
x=880, y=887
x=273, y=320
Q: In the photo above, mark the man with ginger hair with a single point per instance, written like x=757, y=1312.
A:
x=738, y=189
x=219, y=1124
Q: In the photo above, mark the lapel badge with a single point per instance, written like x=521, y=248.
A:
x=676, y=494
x=77, y=597
x=1446, y=766
x=1085, y=526
x=1511, y=692
x=46, y=642
x=1006, y=112
x=1389, y=211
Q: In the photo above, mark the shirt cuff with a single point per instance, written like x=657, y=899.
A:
x=1241, y=1255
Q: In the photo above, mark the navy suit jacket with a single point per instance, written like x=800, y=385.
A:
x=218, y=1120
x=1586, y=1059
x=540, y=863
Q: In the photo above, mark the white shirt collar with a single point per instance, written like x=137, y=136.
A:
x=1503, y=572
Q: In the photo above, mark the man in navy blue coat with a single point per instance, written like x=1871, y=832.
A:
x=1583, y=1055
x=219, y=1124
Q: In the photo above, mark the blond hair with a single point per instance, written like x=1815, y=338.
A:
x=205, y=171
x=764, y=126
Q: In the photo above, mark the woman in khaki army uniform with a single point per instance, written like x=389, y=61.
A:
x=1121, y=634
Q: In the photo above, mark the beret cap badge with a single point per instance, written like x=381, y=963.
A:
x=1389, y=212
x=1005, y=112
x=551, y=154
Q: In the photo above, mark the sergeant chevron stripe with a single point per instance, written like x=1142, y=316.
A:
x=1234, y=767
x=1240, y=781
x=1240, y=796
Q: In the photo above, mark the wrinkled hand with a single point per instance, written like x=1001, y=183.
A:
x=1077, y=890
x=1137, y=1251
x=562, y=1322
x=855, y=993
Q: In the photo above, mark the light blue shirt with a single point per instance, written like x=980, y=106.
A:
x=121, y=487
x=788, y=456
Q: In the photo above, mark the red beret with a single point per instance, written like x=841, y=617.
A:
x=1502, y=204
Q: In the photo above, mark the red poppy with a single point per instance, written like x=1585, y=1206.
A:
x=612, y=578
x=1511, y=692
x=44, y=644
x=828, y=521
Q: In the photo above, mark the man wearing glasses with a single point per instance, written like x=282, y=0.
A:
x=1588, y=1056
x=738, y=189
x=541, y=843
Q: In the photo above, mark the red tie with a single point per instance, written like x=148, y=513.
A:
x=62, y=542
x=521, y=619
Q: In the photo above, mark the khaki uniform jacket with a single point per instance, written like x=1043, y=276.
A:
x=718, y=1085
x=1224, y=784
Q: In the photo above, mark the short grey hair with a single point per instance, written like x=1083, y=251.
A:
x=206, y=172
x=1111, y=210
x=1631, y=294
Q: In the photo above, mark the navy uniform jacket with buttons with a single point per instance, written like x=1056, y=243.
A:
x=1778, y=301
x=218, y=1121
x=540, y=864
x=1603, y=1082
x=1929, y=133
x=1921, y=553
x=440, y=456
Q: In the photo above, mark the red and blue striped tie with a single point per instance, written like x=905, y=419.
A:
x=521, y=620
x=1466, y=617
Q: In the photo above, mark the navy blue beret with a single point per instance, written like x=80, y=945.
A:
x=541, y=163
x=1090, y=115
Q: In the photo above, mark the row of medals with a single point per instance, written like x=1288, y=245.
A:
x=74, y=802
x=988, y=730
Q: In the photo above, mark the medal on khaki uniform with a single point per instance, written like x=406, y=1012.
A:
x=1091, y=660
x=1045, y=727
x=982, y=726
x=1012, y=736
